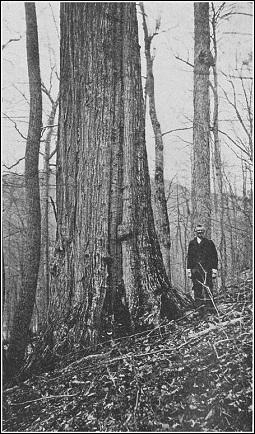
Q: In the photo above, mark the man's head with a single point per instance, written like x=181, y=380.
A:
x=200, y=231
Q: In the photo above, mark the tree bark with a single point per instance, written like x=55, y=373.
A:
x=43, y=293
x=3, y=280
x=107, y=253
x=247, y=218
x=201, y=198
x=160, y=211
x=217, y=157
x=179, y=233
x=24, y=308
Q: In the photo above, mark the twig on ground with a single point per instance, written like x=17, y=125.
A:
x=87, y=358
x=42, y=398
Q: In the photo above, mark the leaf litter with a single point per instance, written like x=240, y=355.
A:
x=193, y=374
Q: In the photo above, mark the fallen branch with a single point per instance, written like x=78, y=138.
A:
x=132, y=355
x=209, y=329
x=85, y=359
x=43, y=397
x=198, y=335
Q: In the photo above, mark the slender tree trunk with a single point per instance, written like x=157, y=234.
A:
x=43, y=295
x=201, y=195
x=24, y=308
x=3, y=279
x=234, y=225
x=179, y=231
x=46, y=198
x=217, y=157
x=160, y=211
x=107, y=252
x=246, y=204
x=231, y=242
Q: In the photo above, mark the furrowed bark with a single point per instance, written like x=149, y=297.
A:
x=201, y=198
x=217, y=158
x=160, y=212
x=107, y=253
x=23, y=311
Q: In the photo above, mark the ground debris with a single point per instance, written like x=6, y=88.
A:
x=194, y=374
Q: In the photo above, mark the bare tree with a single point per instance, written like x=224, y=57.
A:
x=217, y=149
x=24, y=309
x=107, y=253
x=160, y=210
x=44, y=294
x=201, y=195
x=13, y=239
x=181, y=240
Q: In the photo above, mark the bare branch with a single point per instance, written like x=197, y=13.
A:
x=15, y=126
x=47, y=92
x=242, y=13
x=11, y=234
x=54, y=19
x=53, y=153
x=184, y=61
x=248, y=105
x=48, y=126
x=21, y=93
x=234, y=105
x=237, y=33
x=15, y=164
x=243, y=77
x=235, y=143
x=176, y=129
x=11, y=40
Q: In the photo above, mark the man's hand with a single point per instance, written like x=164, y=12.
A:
x=189, y=273
x=214, y=273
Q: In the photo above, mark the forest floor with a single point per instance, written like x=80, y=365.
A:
x=189, y=375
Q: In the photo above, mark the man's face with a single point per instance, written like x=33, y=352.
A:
x=200, y=233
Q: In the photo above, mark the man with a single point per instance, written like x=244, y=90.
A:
x=202, y=267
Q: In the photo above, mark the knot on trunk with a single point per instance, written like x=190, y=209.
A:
x=206, y=58
x=159, y=175
x=124, y=232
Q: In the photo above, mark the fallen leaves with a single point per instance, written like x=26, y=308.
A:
x=192, y=374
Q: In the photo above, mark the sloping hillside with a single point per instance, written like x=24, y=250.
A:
x=194, y=374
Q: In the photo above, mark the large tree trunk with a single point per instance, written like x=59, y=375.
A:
x=107, y=253
x=24, y=307
x=160, y=210
x=201, y=199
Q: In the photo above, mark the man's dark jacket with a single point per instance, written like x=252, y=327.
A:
x=204, y=253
